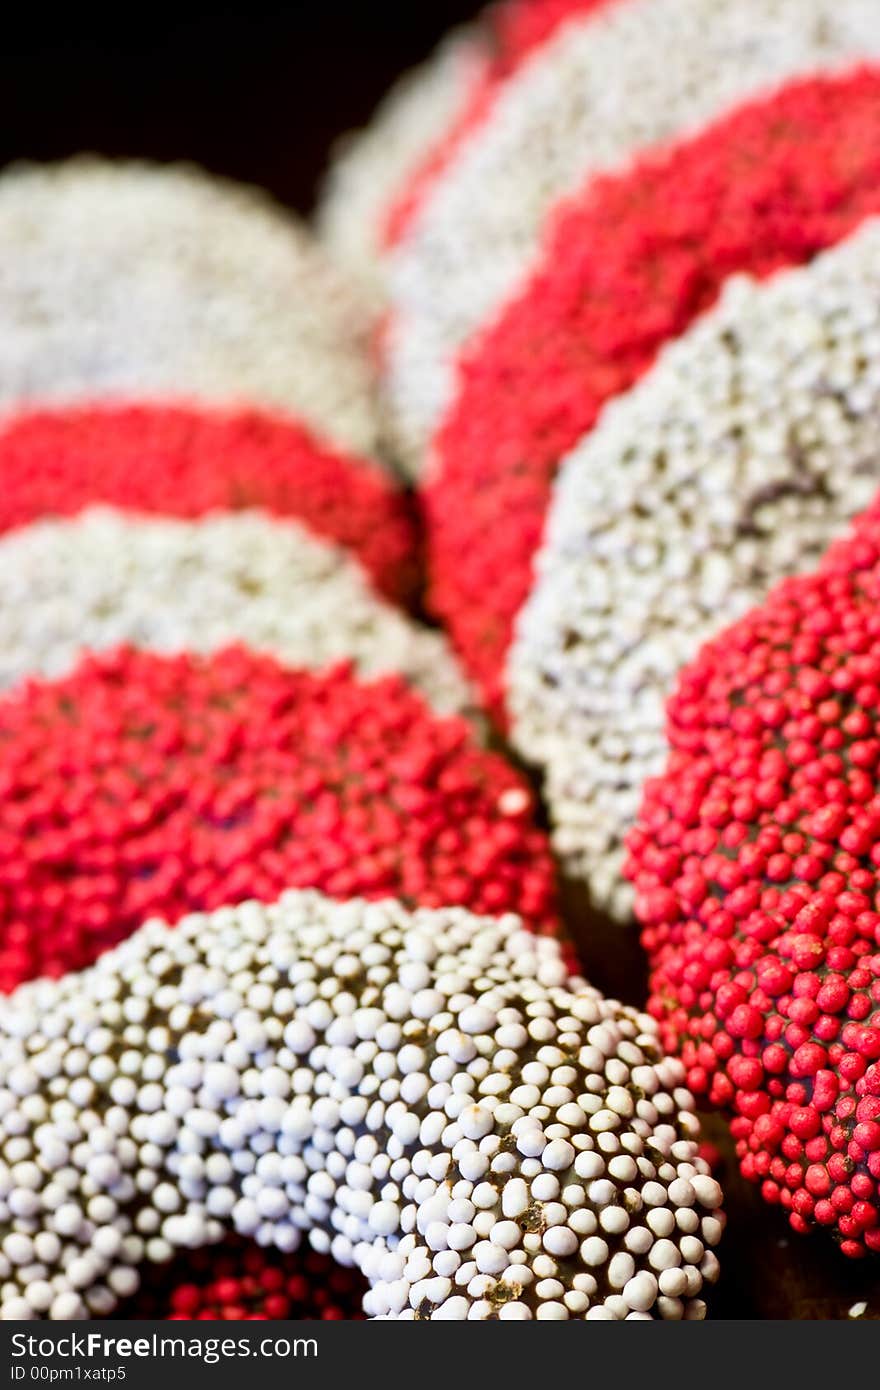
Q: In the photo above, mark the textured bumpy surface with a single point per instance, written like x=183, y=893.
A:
x=625, y=268
x=373, y=165
x=427, y=1094
x=170, y=585
x=755, y=863
x=514, y=31
x=731, y=464
x=382, y=176
x=589, y=99
x=142, y=784
x=186, y=463
x=126, y=279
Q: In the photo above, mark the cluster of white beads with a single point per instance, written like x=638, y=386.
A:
x=109, y=577
x=733, y=463
x=624, y=78
x=371, y=166
x=425, y=1093
x=126, y=280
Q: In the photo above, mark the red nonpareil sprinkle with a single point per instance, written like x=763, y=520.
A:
x=184, y=462
x=626, y=267
x=147, y=786
x=238, y=1280
x=768, y=982
x=517, y=28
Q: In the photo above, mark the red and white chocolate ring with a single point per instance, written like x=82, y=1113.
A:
x=586, y=102
x=125, y=280
x=427, y=1094
x=755, y=867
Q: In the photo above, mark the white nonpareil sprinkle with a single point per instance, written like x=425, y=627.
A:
x=171, y=585
x=129, y=280
x=733, y=463
x=634, y=74
x=431, y=1241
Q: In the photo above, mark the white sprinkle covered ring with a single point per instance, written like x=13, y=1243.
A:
x=426, y=1094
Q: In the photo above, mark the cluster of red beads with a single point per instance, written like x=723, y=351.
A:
x=185, y=463
x=515, y=30
x=144, y=786
x=627, y=267
x=756, y=868
x=242, y=1282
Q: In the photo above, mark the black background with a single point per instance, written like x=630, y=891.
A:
x=257, y=91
